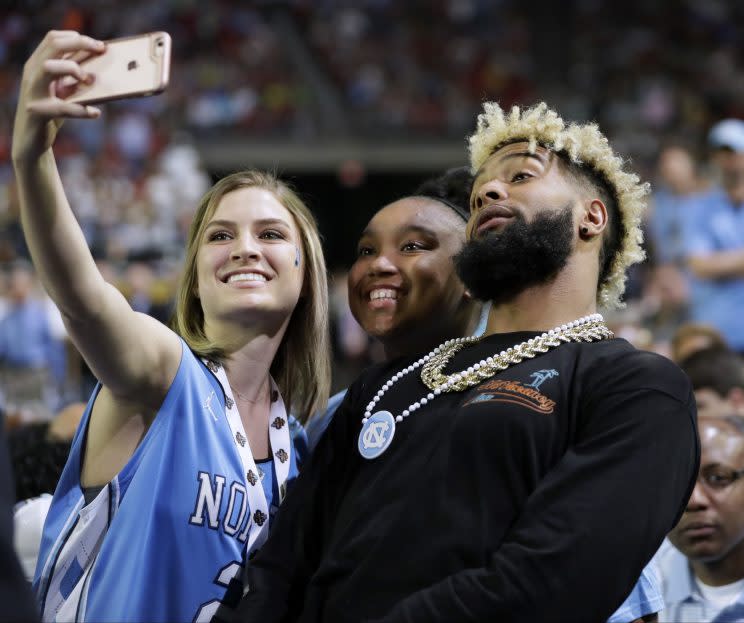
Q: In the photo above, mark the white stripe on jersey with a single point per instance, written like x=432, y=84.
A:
x=67, y=589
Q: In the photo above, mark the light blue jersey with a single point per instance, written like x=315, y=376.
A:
x=165, y=539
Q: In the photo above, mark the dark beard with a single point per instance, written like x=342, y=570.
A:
x=501, y=265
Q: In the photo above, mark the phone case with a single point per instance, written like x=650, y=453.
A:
x=130, y=67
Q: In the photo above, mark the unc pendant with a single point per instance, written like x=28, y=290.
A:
x=376, y=434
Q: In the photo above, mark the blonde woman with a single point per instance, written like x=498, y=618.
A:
x=186, y=447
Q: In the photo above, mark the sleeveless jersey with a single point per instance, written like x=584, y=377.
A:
x=165, y=539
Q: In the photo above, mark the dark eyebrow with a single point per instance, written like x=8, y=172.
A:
x=517, y=154
x=404, y=229
x=272, y=221
x=524, y=154
x=260, y=222
x=418, y=229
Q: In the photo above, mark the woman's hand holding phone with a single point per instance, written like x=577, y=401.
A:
x=69, y=71
x=50, y=76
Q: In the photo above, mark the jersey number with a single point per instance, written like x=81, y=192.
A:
x=230, y=578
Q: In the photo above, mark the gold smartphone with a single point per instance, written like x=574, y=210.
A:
x=129, y=67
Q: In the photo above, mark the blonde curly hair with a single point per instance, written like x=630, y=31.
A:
x=585, y=146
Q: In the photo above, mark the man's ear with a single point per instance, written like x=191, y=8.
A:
x=594, y=219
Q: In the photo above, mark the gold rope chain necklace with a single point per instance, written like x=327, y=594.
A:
x=433, y=377
x=379, y=427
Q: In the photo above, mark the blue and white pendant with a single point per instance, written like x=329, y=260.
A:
x=376, y=434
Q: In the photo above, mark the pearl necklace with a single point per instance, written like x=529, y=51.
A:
x=378, y=428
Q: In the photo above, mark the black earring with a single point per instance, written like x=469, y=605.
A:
x=584, y=231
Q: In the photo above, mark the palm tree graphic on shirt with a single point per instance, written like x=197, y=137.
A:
x=541, y=376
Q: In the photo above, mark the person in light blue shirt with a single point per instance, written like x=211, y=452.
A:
x=672, y=205
x=645, y=600
x=418, y=302
x=714, y=239
x=32, y=357
x=702, y=564
x=678, y=184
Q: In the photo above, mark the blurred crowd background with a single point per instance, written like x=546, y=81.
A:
x=355, y=103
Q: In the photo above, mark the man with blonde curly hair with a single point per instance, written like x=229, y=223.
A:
x=586, y=159
x=525, y=475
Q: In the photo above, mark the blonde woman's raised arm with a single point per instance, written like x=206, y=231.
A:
x=132, y=354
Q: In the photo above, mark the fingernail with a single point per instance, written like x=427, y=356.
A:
x=89, y=78
x=93, y=111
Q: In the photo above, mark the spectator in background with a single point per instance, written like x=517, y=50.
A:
x=31, y=356
x=172, y=190
x=667, y=288
x=690, y=338
x=715, y=239
x=717, y=376
x=702, y=569
x=38, y=453
x=352, y=350
x=678, y=182
x=16, y=602
x=140, y=285
x=28, y=525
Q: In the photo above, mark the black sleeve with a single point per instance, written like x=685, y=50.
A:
x=277, y=576
x=16, y=601
x=594, y=521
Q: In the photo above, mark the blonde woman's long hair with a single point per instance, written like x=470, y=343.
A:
x=302, y=364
